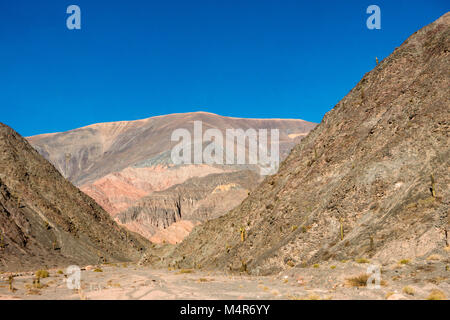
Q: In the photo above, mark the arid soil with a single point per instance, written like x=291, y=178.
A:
x=334, y=280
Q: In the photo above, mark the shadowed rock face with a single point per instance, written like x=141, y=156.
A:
x=119, y=163
x=45, y=221
x=371, y=180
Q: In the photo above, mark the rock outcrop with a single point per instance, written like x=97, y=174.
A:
x=196, y=200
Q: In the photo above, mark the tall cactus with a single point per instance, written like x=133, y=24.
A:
x=11, y=283
x=242, y=234
x=433, y=188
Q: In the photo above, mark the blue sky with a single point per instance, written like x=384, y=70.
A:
x=135, y=59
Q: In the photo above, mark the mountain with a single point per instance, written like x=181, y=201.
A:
x=119, y=163
x=45, y=221
x=370, y=181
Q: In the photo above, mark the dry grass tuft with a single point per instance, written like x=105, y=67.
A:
x=358, y=281
x=409, y=290
x=42, y=274
x=404, y=261
x=313, y=296
x=390, y=293
x=362, y=260
x=185, y=271
x=434, y=257
x=113, y=284
x=361, y=281
x=436, y=295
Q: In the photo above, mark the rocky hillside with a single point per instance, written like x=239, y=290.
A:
x=45, y=221
x=371, y=181
x=120, y=162
x=196, y=200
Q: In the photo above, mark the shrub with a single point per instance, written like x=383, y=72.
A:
x=404, y=261
x=408, y=290
x=37, y=283
x=243, y=266
x=361, y=281
x=42, y=274
x=436, y=295
x=186, y=271
x=358, y=281
x=98, y=270
x=316, y=266
x=333, y=267
x=362, y=260
x=313, y=297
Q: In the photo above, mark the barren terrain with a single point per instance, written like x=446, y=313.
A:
x=334, y=280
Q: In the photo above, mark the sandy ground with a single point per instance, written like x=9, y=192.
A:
x=328, y=281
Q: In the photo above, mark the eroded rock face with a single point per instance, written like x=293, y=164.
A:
x=45, y=221
x=117, y=191
x=196, y=200
x=371, y=180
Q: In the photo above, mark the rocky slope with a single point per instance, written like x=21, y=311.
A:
x=45, y=221
x=371, y=181
x=196, y=200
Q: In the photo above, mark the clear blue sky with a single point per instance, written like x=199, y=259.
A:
x=135, y=59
